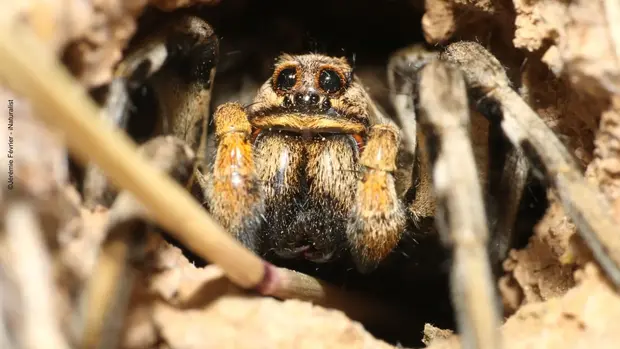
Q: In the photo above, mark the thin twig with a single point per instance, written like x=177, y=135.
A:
x=292, y=284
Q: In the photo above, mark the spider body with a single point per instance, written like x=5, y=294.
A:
x=308, y=179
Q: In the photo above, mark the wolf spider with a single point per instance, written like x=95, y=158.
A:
x=308, y=169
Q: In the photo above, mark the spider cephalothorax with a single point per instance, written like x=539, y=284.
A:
x=311, y=93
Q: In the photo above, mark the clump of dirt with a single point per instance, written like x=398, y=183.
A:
x=585, y=315
x=579, y=38
x=606, y=164
x=91, y=35
x=580, y=43
x=536, y=273
x=194, y=307
x=444, y=19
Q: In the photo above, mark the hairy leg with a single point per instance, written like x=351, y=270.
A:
x=460, y=216
x=233, y=191
x=377, y=219
x=509, y=172
x=586, y=206
x=502, y=168
x=402, y=70
x=179, y=63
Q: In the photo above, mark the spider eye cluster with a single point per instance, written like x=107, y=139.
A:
x=330, y=81
x=286, y=79
x=326, y=79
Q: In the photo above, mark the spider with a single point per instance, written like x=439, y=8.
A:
x=310, y=168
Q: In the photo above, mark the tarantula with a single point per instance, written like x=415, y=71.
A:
x=308, y=169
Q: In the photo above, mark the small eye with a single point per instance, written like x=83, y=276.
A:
x=286, y=79
x=330, y=81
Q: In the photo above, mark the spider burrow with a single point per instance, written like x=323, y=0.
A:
x=306, y=171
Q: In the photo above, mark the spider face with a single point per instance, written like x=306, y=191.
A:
x=309, y=120
x=311, y=94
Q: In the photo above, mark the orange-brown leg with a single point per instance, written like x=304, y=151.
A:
x=233, y=192
x=377, y=218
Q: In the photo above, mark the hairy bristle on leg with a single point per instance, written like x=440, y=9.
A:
x=233, y=192
x=377, y=219
x=460, y=217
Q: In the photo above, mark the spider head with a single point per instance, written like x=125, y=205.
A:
x=311, y=93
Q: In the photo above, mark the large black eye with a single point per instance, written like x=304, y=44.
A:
x=286, y=79
x=330, y=81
